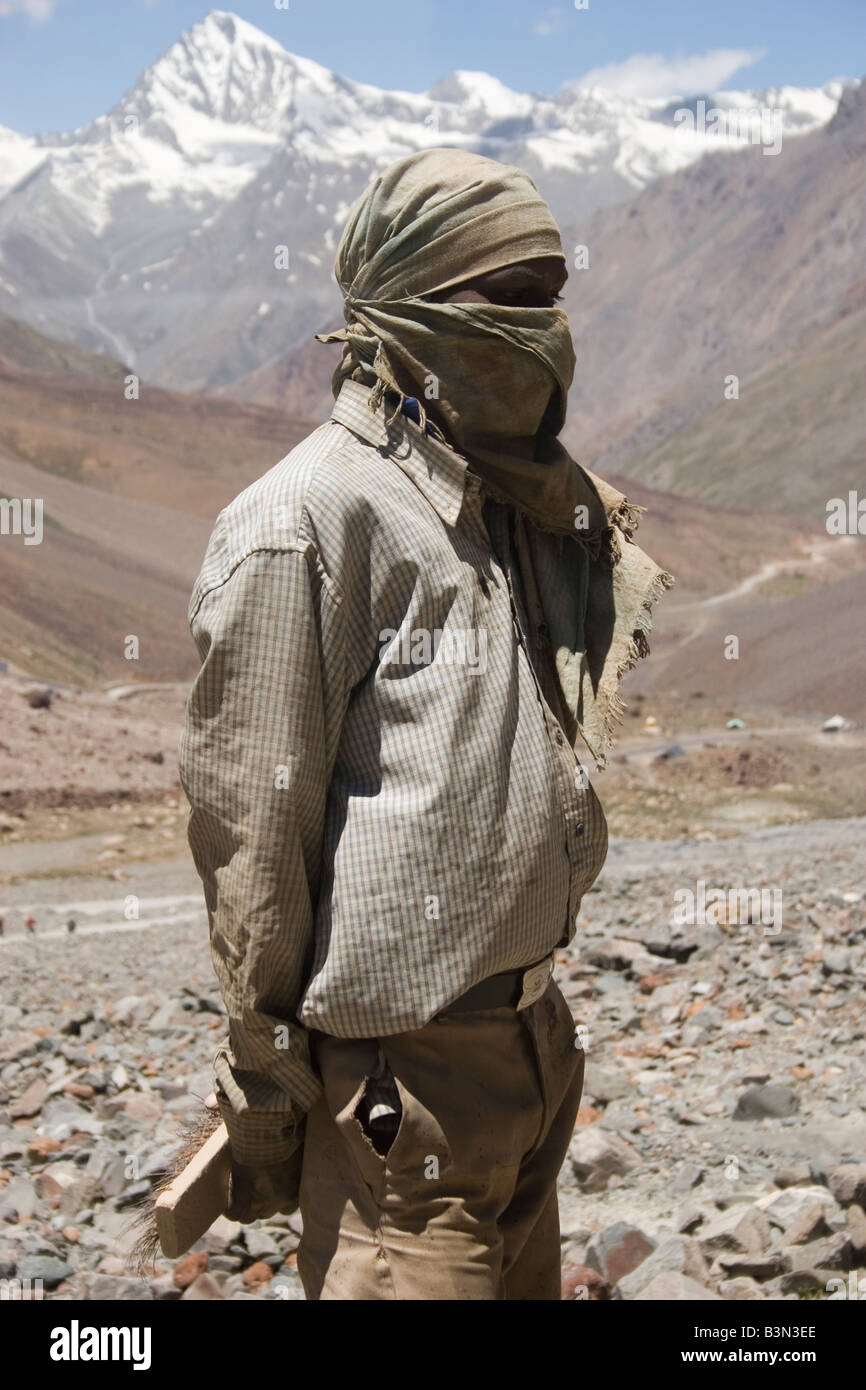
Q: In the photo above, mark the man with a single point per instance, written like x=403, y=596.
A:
x=405, y=628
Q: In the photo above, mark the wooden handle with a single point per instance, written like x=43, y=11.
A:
x=196, y=1197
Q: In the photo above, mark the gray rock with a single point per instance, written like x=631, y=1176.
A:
x=261, y=1245
x=611, y=954
x=808, y=1224
x=688, y=1219
x=604, y=1084
x=221, y=1235
x=856, y=1227
x=131, y=1010
x=836, y=960
x=49, y=1268
x=675, y=1255
x=168, y=1015
x=743, y=1229
x=661, y=941
x=132, y=1195
x=18, y=1200
x=106, y=1169
x=800, y=1281
x=114, y=1288
x=760, y=1267
x=621, y=1115
x=596, y=1155
x=31, y=1100
x=848, y=1184
x=617, y=1250
x=611, y=983
x=62, y=1117
x=707, y=1020
x=759, y=1102
x=830, y=1252
x=688, y=1175
x=741, y=1290
x=225, y=1264
x=792, y=1174
x=671, y=1287
x=204, y=1289
x=782, y=1208
x=164, y=1288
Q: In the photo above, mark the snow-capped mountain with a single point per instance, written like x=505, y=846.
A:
x=151, y=233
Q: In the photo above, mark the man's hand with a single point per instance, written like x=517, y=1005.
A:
x=258, y=1192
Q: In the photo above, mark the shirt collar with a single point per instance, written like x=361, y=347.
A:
x=437, y=471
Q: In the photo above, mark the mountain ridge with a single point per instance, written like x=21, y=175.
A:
x=149, y=232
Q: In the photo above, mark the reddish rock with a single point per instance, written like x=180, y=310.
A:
x=41, y=1147
x=695, y=1007
x=187, y=1270
x=580, y=1283
x=79, y=1089
x=31, y=1100
x=617, y=1250
x=588, y=1114
x=648, y=983
x=58, y=1178
x=257, y=1274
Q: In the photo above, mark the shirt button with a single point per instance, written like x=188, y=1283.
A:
x=560, y=736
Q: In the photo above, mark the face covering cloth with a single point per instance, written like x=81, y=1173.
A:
x=495, y=380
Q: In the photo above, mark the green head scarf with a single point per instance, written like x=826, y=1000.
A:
x=495, y=379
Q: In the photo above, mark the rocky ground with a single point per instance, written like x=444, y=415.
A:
x=719, y=1151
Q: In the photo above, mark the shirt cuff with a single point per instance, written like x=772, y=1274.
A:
x=265, y=1124
x=258, y=1139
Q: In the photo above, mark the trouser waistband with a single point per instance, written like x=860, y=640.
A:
x=515, y=988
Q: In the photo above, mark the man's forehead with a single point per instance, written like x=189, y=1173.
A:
x=542, y=269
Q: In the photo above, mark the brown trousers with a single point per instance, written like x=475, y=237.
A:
x=464, y=1204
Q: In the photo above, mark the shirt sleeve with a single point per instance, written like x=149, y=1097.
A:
x=257, y=750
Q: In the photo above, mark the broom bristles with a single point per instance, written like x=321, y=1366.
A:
x=191, y=1138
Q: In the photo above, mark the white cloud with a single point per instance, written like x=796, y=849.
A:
x=37, y=10
x=654, y=75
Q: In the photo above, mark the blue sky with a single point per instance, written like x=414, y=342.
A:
x=62, y=62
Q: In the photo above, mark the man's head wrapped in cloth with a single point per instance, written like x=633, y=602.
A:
x=422, y=267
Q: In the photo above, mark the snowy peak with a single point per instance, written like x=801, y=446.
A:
x=229, y=144
x=222, y=68
x=230, y=28
x=480, y=91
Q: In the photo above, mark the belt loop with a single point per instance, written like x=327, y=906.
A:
x=535, y=982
